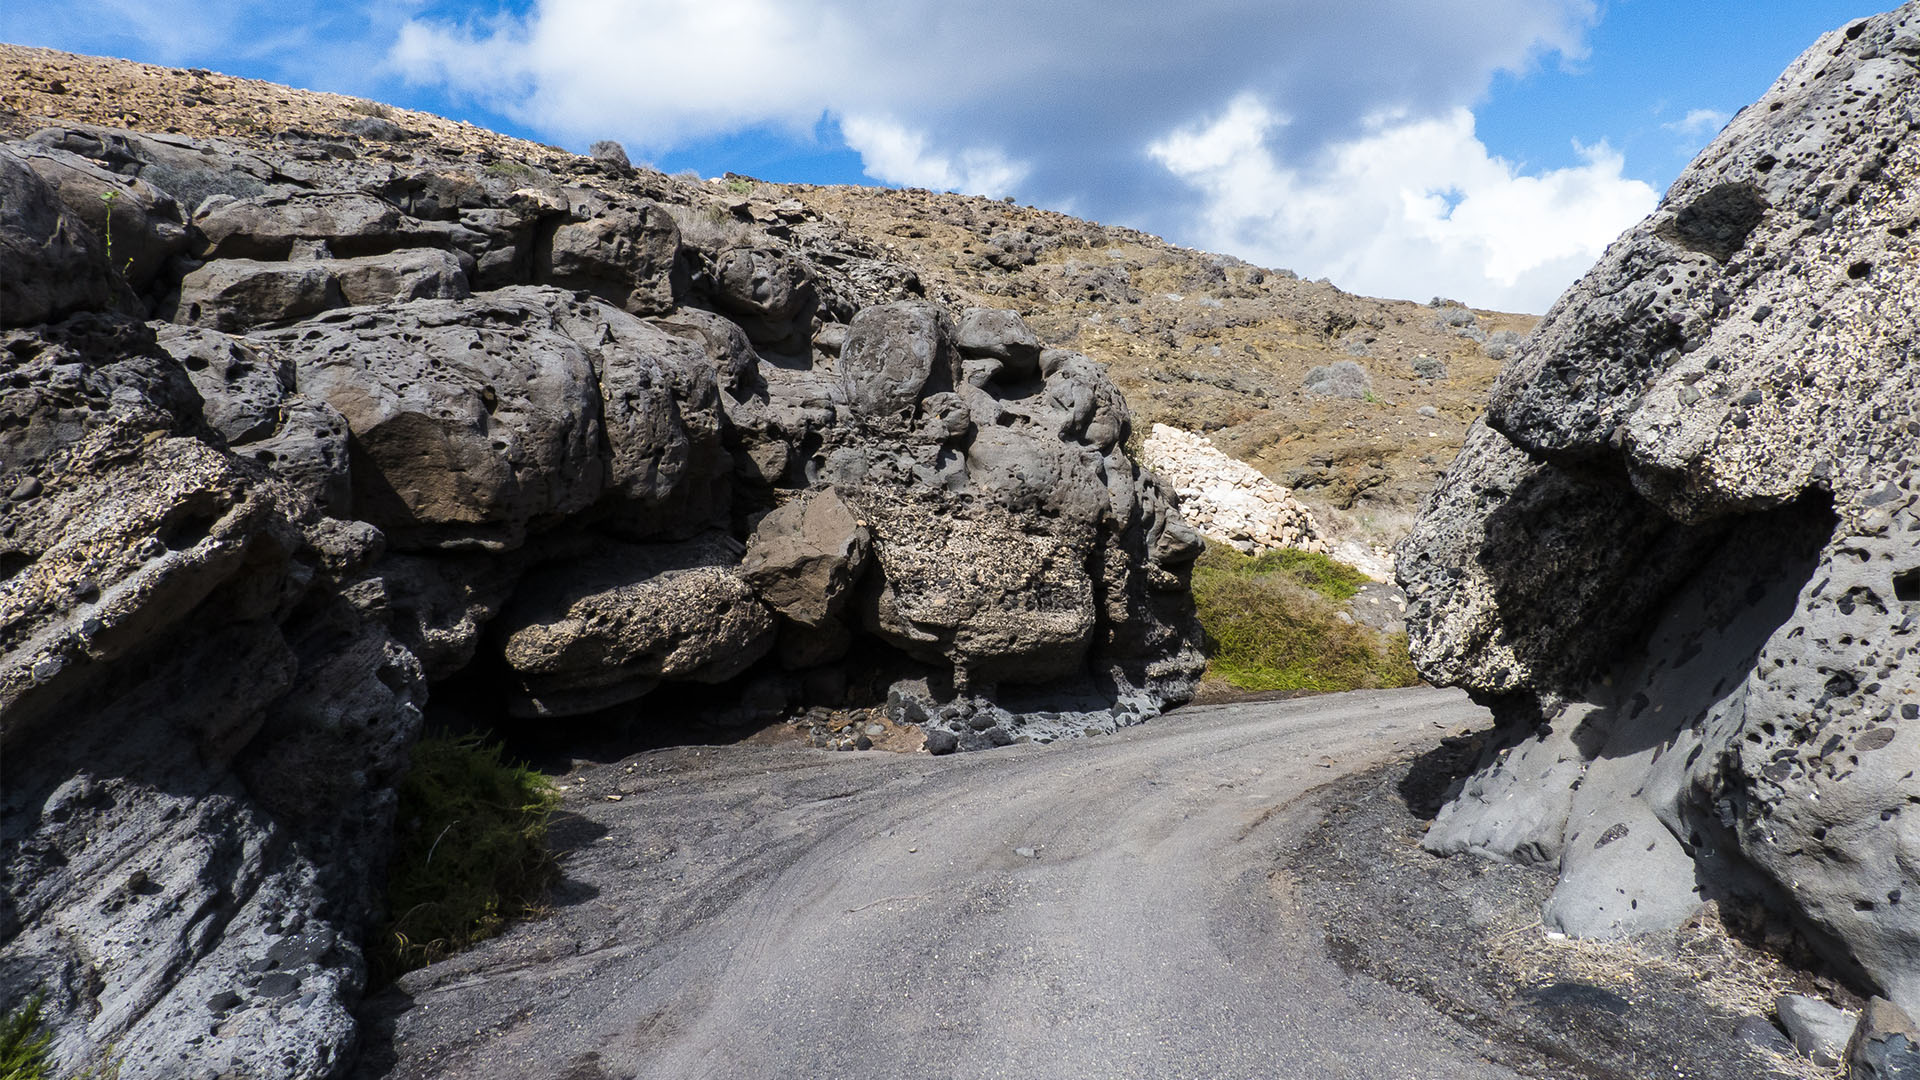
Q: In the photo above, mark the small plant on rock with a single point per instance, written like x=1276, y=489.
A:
x=110, y=198
x=26, y=1047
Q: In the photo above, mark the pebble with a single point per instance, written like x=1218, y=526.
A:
x=1026, y=853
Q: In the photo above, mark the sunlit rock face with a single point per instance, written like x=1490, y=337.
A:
x=334, y=427
x=1681, y=557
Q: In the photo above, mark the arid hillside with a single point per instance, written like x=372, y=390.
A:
x=1200, y=341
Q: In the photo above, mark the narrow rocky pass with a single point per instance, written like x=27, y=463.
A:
x=1098, y=908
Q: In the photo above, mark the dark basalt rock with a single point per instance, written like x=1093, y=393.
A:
x=401, y=426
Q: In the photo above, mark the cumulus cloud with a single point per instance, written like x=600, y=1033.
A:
x=894, y=154
x=1408, y=207
x=1058, y=102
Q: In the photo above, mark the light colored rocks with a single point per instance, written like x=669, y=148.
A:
x=1817, y=1029
x=1688, y=532
x=1226, y=499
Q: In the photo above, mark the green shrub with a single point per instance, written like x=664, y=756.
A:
x=26, y=1044
x=1329, y=577
x=470, y=852
x=1273, y=623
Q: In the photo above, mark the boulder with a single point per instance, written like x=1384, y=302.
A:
x=629, y=258
x=140, y=226
x=668, y=469
x=769, y=292
x=735, y=363
x=805, y=556
x=51, y=264
x=241, y=384
x=309, y=452
x=1686, y=532
x=1885, y=1045
x=964, y=584
x=1817, y=1029
x=271, y=227
x=238, y=294
x=188, y=169
x=998, y=334
x=468, y=418
x=595, y=631
x=895, y=355
x=399, y=276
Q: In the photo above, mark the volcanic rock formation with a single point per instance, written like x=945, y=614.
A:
x=1681, y=557
x=556, y=435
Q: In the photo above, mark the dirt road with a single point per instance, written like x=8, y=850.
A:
x=1099, y=908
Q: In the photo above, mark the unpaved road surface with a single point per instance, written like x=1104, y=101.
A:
x=1091, y=909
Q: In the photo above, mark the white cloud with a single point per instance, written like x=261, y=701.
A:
x=1700, y=122
x=1057, y=102
x=893, y=154
x=1408, y=207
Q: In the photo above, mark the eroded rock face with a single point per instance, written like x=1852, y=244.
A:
x=1682, y=557
x=400, y=426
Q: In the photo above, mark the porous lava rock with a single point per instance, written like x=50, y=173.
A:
x=347, y=429
x=1681, y=556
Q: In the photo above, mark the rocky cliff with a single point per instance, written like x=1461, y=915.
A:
x=1681, y=556
x=1354, y=403
x=299, y=433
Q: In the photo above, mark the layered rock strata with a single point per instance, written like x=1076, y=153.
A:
x=330, y=424
x=1681, y=556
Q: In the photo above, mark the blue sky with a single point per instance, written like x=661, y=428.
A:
x=1480, y=149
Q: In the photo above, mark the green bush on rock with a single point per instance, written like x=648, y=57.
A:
x=1273, y=623
x=470, y=852
x=26, y=1047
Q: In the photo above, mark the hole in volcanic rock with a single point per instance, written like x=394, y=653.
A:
x=1906, y=586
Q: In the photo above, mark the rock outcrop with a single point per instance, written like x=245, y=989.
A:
x=1681, y=557
x=403, y=421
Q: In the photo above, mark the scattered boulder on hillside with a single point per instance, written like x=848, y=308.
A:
x=401, y=424
x=1681, y=557
x=1342, y=378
